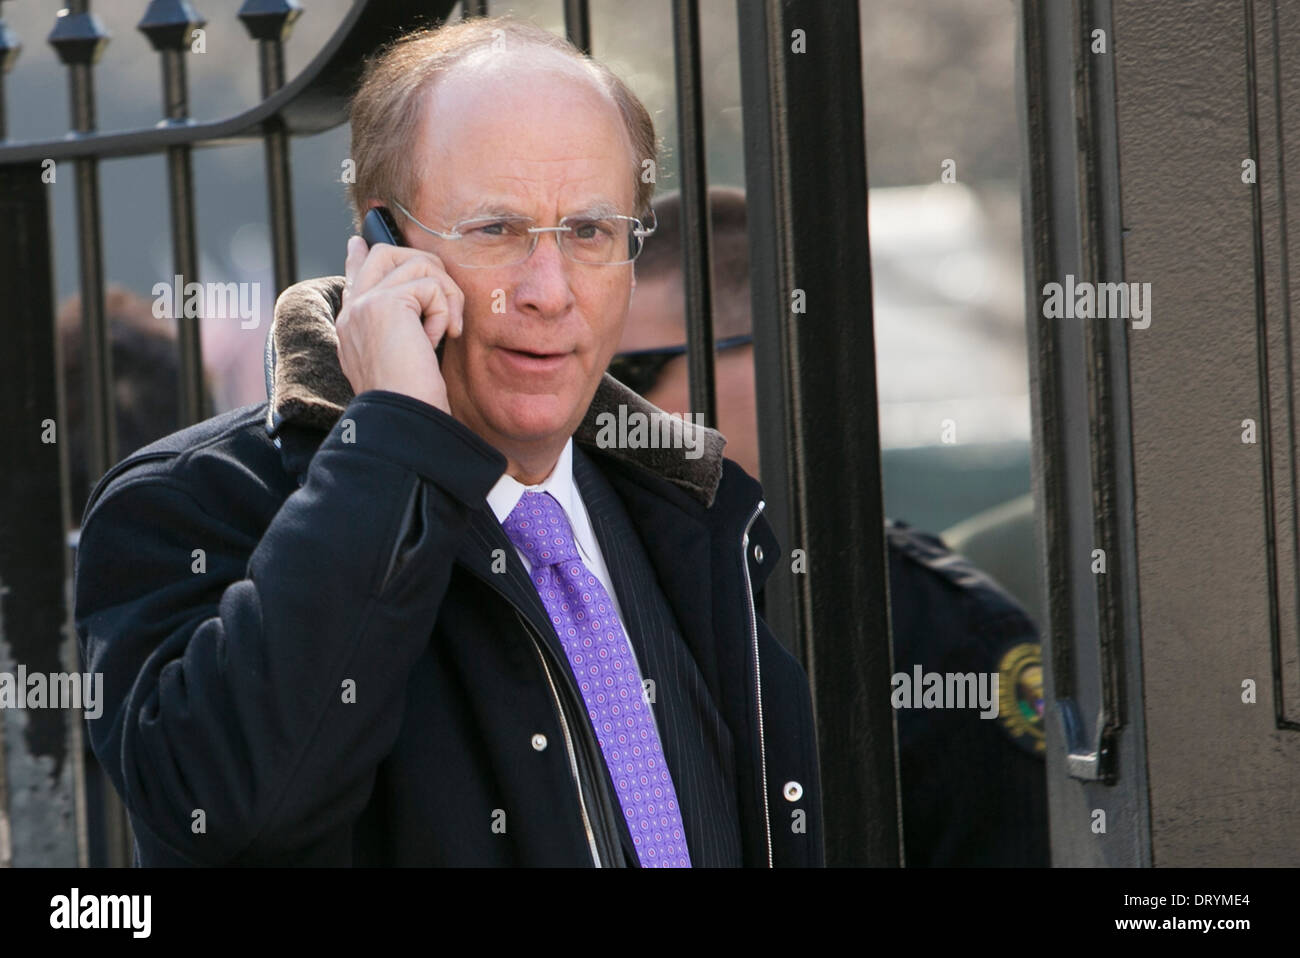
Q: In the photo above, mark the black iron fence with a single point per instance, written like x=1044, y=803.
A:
x=815, y=363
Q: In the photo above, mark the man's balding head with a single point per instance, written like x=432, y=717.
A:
x=390, y=107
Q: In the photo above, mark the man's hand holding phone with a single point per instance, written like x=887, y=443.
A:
x=398, y=304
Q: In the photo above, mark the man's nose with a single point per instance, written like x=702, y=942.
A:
x=545, y=283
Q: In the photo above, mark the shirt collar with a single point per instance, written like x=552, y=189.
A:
x=505, y=495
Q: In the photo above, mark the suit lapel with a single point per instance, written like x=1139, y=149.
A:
x=678, y=546
x=678, y=549
x=597, y=497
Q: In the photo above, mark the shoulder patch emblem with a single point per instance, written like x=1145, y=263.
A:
x=1020, y=694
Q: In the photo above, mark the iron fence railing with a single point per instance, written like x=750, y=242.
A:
x=817, y=401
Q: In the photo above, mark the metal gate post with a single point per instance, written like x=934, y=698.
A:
x=819, y=442
x=42, y=746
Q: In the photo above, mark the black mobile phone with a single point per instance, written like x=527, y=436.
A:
x=378, y=226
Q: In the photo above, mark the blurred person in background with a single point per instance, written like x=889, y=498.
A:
x=974, y=791
x=146, y=378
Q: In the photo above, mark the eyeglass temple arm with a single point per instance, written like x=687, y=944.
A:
x=428, y=229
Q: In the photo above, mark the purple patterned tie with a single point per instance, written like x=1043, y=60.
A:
x=602, y=663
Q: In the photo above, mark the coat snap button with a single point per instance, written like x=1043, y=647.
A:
x=793, y=791
x=758, y=553
x=539, y=741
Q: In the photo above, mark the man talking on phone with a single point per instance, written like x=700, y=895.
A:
x=422, y=607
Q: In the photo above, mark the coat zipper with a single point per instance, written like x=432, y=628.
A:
x=758, y=682
x=568, y=741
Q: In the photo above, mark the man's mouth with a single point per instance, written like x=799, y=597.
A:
x=532, y=361
x=533, y=354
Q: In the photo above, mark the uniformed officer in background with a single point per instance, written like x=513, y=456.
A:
x=974, y=790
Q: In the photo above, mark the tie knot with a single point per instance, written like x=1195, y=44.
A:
x=538, y=526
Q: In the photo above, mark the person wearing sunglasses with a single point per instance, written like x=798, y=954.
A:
x=651, y=357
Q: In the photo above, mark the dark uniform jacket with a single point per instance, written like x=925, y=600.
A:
x=310, y=654
x=974, y=790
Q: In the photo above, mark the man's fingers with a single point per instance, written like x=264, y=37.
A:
x=355, y=257
x=430, y=299
x=381, y=259
x=389, y=267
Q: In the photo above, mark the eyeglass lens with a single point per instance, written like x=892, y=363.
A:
x=508, y=241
